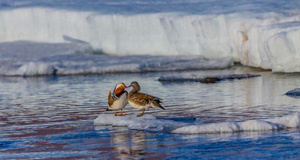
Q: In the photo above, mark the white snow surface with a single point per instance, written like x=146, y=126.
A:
x=152, y=124
x=23, y=58
x=256, y=33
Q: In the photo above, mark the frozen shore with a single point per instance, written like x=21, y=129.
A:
x=260, y=34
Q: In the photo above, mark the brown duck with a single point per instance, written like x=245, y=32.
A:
x=142, y=101
x=118, y=100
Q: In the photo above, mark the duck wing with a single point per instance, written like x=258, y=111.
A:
x=144, y=99
x=139, y=98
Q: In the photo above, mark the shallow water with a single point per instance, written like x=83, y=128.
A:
x=52, y=117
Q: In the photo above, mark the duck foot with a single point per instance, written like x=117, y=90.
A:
x=122, y=113
x=140, y=115
x=116, y=113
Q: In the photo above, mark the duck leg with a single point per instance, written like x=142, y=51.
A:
x=122, y=113
x=116, y=113
x=140, y=115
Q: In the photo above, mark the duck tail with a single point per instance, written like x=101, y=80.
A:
x=109, y=95
x=156, y=103
x=110, y=101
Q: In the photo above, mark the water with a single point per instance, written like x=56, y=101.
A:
x=52, y=117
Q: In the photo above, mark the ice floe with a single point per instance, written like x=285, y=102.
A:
x=294, y=93
x=229, y=127
x=152, y=124
x=122, y=121
x=24, y=58
x=291, y=121
x=147, y=122
x=207, y=79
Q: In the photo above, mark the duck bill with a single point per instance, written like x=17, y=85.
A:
x=127, y=86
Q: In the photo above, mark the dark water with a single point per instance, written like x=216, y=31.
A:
x=52, y=117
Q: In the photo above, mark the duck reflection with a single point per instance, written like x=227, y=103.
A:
x=129, y=144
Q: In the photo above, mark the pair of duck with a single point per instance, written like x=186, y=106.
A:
x=119, y=99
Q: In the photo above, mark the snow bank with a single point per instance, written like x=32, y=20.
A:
x=150, y=123
x=275, y=46
x=263, y=39
x=256, y=33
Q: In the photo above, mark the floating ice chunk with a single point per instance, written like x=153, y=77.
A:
x=208, y=79
x=150, y=123
x=258, y=125
x=225, y=127
x=147, y=122
x=294, y=92
x=291, y=121
x=228, y=127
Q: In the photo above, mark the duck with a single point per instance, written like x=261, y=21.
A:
x=119, y=99
x=142, y=101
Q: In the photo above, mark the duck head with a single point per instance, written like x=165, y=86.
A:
x=135, y=86
x=119, y=88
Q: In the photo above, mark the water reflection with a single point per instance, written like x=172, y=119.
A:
x=254, y=135
x=129, y=144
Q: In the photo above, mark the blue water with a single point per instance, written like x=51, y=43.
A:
x=157, y=6
x=52, y=117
